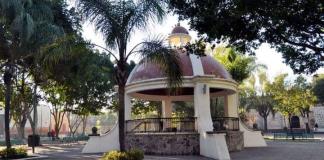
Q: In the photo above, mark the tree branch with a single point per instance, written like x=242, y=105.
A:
x=300, y=44
x=132, y=50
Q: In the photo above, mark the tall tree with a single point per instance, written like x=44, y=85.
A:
x=16, y=29
x=21, y=101
x=257, y=97
x=292, y=98
x=305, y=98
x=318, y=88
x=55, y=95
x=294, y=28
x=26, y=27
x=264, y=105
x=117, y=21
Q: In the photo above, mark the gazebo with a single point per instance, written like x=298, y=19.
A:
x=203, y=79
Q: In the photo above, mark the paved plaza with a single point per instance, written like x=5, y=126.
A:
x=276, y=150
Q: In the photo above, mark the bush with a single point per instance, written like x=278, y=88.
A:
x=133, y=154
x=13, y=153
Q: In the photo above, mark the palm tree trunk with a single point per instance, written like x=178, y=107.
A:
x=7, y=79
x=121, y=116
x=121, y=79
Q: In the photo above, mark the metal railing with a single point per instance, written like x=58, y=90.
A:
x=226, y=123
x=185, y=124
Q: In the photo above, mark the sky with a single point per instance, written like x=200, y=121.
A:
x=265, y=54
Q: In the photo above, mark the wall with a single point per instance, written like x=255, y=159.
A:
x=164, y=143
x=274, y=122
x=234, y=140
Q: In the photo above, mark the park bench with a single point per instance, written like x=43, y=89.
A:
x=13, y=142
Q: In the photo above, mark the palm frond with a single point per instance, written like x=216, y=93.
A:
x=61, y=50
x=10, y=9
x=116, y=20
x=104, y=16
x=146, y=10
x=41, y=11
x=23, y=24
x=154, y=51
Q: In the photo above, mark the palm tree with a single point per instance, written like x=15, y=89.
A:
x=240, y=66
x=25, y=26
x=16, y=28
x=117, y=21
x=258, y=98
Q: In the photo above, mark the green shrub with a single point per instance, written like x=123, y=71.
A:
x=114, y=155
x=133, y=154
x=13, y=153
x=21, y=151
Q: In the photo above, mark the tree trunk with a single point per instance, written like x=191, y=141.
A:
x=121, y=116
x=290, y=126
x=7, y=79
x=84, y=123
x=265, y=122
x=68, y=115
x=35, y=117
x=21, y=129
x=308, y=123
x=121, y=78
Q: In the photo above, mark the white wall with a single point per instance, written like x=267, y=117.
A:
x=104, y=143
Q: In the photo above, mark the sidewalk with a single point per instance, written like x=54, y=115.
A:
x=276, y=150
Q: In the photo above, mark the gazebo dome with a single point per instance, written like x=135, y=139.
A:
x=179, y=36
x=179, y=30
x=148, y=71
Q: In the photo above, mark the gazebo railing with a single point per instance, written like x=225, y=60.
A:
x=177, y=124
x=226, y=123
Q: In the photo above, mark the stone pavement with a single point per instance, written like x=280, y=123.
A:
x=281, y=150
x=276, y=150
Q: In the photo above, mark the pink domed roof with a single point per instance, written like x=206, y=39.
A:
x=146, y=71
x=179, y=29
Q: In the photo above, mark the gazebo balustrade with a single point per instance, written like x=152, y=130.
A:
x=225, y=124
x=174, y=124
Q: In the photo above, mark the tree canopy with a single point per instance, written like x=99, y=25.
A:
x=318, y=88
x=294, y=28
x=291, y=98
x=238, y=65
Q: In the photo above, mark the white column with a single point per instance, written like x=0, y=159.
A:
x=211, y=145
x=202, y=108
x=231, y=105
x=128, y=107
x=166, y=108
